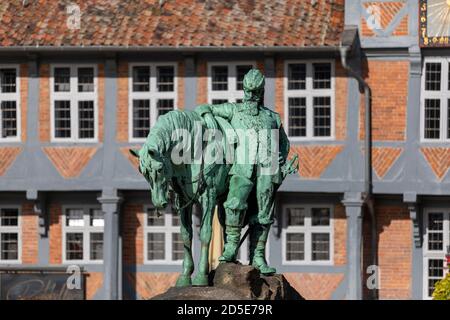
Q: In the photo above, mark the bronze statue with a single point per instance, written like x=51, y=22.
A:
x=245, y=189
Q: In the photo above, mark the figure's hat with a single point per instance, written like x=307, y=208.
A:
x=253, y=80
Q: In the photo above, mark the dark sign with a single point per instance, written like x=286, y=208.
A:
x=39, y=286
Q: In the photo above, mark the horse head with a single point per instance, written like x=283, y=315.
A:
x=156, y=169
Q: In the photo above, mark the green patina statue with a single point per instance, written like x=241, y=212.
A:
x=244, y=188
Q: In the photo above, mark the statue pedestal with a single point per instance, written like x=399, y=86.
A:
x=232, y=281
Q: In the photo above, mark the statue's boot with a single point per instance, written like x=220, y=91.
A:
x=258, y=239
x=233, y=236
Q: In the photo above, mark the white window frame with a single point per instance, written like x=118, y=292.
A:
x=232, y=94
x=168, y=229
x=74, y=96
x=309, y=93
x=15, y=229
x=86, y=230
x=153, y=95
x=9, y=97
x=443, y=95
x=307, y=229
x=434, y=254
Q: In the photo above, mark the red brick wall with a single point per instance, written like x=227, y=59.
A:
x=30, y=234
x=7, y=156
x=438, y=158
x=180, y=87
x=340, y=235
x=94, y=281
x=388, y=110
x=202, y=82
x=394, y=251
x=122, y=102
x=388, y=11
x=23, y=100
x=44, y=102
x=150, y=284
x=314, y=159
x=314, y=286
x=133, y=234
x=70, y=161
x=55, y=233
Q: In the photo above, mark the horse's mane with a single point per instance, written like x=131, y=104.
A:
x=161, y=134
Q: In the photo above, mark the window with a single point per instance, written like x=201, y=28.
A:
x=9, y=235
x=436, y=243
x=74, y=103
x=307, y=235
x=435, y=104
x=9, y=103
x=152, y=94
x=163, y=242
x=309, y=100
x=225, y=81
x=83, y=235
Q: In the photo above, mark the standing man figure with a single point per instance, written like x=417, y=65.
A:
x=253, y=181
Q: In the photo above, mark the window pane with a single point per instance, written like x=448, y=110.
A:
x=155, y=246
x=74, y=246
x=220, y=78
x=320, y=217
x=297, y=76
x=8, y=80
x=219, y=101
x=9, y=119
x=435, y=273
x=295, y=246
x=96, y=246
x=96, y=218
x=62, y=119
x=165, y=78
x=433, y=76
x=177, y=247
x=74, y=218
x=322, y=76
x=432, y=118
x=153, y=219
x=176, y=219
x=141, y=79
x=320, y=246
x=296, y=216
x=241, y=71
x=436, y=231
x=86, y=117
x=141, y=118
x=322, y=116
x=297, y=117
x=62, y=80
x=9, y=246
x=9, y=217
x=238, y=100
x=164, y=106
x=85, y=79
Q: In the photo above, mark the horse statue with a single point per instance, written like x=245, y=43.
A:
x=191, y=183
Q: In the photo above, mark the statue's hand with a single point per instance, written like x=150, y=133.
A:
x=209, y=121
